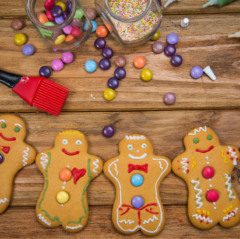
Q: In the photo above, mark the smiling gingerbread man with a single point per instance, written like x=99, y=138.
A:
x=14, y=154
x=68, y=170
x=206, y=167
x=137, y=173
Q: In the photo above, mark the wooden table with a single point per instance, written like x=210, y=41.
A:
x=137, y=108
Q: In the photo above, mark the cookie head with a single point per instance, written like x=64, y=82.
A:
x=71, y=142
x=135, y=146
x=201, y=140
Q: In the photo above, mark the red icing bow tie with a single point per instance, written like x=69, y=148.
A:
x=143, y=167
x=5, y=149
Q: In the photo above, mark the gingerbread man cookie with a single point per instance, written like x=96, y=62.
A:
x=206, y=167
x=14, y=154
x=137, y=173
x=68, y=169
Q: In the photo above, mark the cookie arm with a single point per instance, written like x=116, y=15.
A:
x=182, y=164
x=96, y=166
x=163, y=165
x=230, y=155
x=110, y=168
x=29, y=154
x=42, y=160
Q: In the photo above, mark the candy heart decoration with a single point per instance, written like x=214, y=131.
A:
x=78, y=173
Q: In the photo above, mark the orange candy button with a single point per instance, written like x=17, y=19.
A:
x=102, y=31
x=65, y=175
x=43, y=19
x=139, y=62
x=69, y=38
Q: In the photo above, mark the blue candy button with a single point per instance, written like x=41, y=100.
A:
x=94, y=26
x=90, y=66
x=137, y=180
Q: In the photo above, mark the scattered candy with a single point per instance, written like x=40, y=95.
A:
x=78, y=14
x=113, y=83
x=169, y=98
x=104, y=64
x=176, y=60
x=1, y=158
x=158, y=47
x=20, y=39
x=139, y=62
x=94, y=24
x=156, y=36
x=43, y=18
x=172, y=38
x=76, y=23
x=101, y=31
x=49, y=4
x=27, y=50
x=59, y=19
x=66, y=14
x=69, y=38
x=69, y=5
x=57, y=65
x=109, y=94
x=62, y=5
x=100, y=43
x=146, y=74
x=170, y=50
x=91, y=12
x=45, y=71
x=49, y=16
x=207, y=70
x=120, y=61
x=62, y=197
x=184, y=22
x=17, y=24
x=65, y=175
x=67, y=57
x=60, y=39
x=108, y=131
x=76, y=32
x=56, y=11
x=107, y=52
x=196, y=72
x=90, y=66
x=120, y=73
x=137, y=202
x=68, y=29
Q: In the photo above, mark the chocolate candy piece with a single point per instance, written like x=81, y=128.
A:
x=69, y=5
x=104, y=64
x=76, y=23
x=91, y=12
x=113, y=83
x=49, y=4
x=76, y=32
x=176, y=60
x=49, y=16
x=90, y=66
x=1, y=158
x=212, y=196
x=196, y=72
x=108, y=131
x=100, y=43
x=120, y=61
x=137, y=202
x=172, y=38
x=56, y=11
x=57, y=33
x=27, y=50
x=170, y=50
x=120, y=73
x=169, y=98
x=65, y=15
x=208, y=172
x=107, y=52
x=67, y=57
x=158, y=47
x=137, y=180
x=59, y=19
x=65, y=174
x=62, y=197
x=17, y=24
x=45, y=71
x=40, y=13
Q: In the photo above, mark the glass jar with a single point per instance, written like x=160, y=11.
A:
x=58, y=37
x=131, y=22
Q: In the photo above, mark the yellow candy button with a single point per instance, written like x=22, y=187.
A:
x=60, y=39
x=62, y=197
x=109, y=94
x=62, y=5
x=156, y=36
x=20, y=39
x=146, y=74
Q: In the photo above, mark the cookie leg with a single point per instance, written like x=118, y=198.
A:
x=230, y=216
x=5, y=196
x=72, y=225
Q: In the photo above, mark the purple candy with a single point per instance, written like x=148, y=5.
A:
x=1, y=158
x=108, y=131
x=104, y=64
x=67, y=57
x=57, y=65
x=67, y=29
x=137, y=202
x=76, y=23
x=196, y=72
x=100, y=43
x=56, y=11
x=176, y=60
x=65, y=15
x=172, y=38
x=69, y=5
x=28, y=50
x=169, y=98
x=107, y=52
x=59, y=19
x=45, y=71
x=120, y=73
x=160, y=3
x=170, y=50
x=113, y=83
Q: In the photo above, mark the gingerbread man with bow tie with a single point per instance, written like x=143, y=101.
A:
x=137, y=173
x=68, y=169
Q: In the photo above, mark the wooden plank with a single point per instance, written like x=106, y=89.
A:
x=165, y=130
x=21, y=222
x=203, y=43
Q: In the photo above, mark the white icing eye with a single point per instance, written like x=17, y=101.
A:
x=64, y=141
x=144, y=145
x=130, y=147
x=78, y=142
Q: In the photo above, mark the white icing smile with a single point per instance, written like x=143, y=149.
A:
x=140, y=157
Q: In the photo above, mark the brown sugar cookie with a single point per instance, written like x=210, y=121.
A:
x=206, y=167
x=14, y=154
x=137, y=173
x=68, y=169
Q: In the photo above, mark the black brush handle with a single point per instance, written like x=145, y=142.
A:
x=9, y=79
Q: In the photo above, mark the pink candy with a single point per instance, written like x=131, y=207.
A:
x=67, y=29
x=49, y=4
x=49, y=15
x=76, y=32
x=57, y=65
x=67, y=57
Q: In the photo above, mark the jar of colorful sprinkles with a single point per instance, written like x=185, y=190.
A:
x=131, y=22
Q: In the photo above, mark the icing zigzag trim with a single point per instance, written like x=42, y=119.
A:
x=198, y=201
x=233, y=154
x=185, y=169
x=44, y=160
x=116, y=169
x=232, y=214
x=229, y=185
x=44, y=220
x=203, y=218
x=151, y=219
x=4, y=200
x=25, y=157
x=126, y=222
x=224, y=157
x=135, y=137
x=95, y=163
x=73, y=228
x=198, y=130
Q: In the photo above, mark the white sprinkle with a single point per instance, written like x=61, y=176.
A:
x=215, y=208
x=62, y=205
x=63, y=187
x=64, y=182
x=209, y=179
x=214, y=203
x=68, y=166
x=210, y=186
x=207, y=158
x=207, y=162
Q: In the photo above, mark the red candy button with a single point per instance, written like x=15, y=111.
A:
x=65, y=175
x=208, y=172
x=212, y=196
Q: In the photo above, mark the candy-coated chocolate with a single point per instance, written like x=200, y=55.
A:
x=120, y=61
x=48, y=32
x=1, y=158
x=137, y=202
x=113, y=83
x=27, y=50
x=57, y=33
x=170, y=50
x=45, y=71
x=137, y=180
x=76, y=23
x=107, y=52
x=101, y=31
x=65, y=174
x=65, y=15
x=69, y=5
x=156, y=36
x=17, y=24
x=40, y=13
x=49, y=16
x=94, y=24
x=49, y=4
x=69, y=38
x=76, y=32
x=60, y=39
x=196, y=72
x=62, y=5
x=172, y=38
x=91, y=12
x=208, y=172
x=109, y=94
x=146, y=74
x=78, y=14
x=68, y=29
x=57, y=65
x=169, y=98
x=100, y=43
x=139, y=62
x=120, y=73
x=212, y=196
x=62, y=197
x=59, y=19
x=43, y=18
x=67, y=57
x=90, y=66
x=108, y=131
x=20, y=39
x=104, y=64
x=158, y=47
x=176, y=60
x=56, y=11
